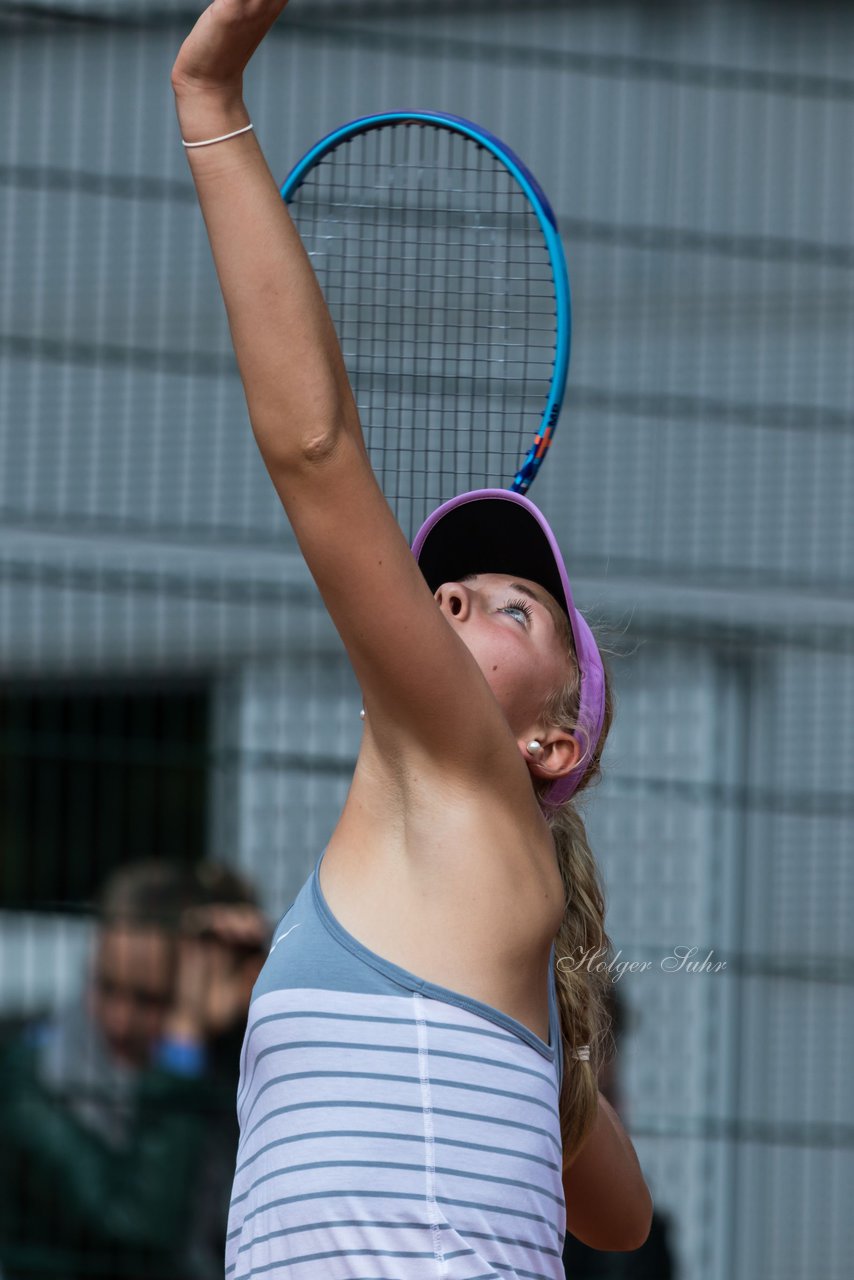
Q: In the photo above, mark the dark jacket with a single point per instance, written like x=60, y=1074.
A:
x=100, y=1170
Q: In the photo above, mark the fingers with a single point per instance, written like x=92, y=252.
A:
x=235, y=925
x=211, y=991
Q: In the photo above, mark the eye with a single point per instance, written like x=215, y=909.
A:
x=517, y=607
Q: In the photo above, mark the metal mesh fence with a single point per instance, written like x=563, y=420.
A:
x=170, y=686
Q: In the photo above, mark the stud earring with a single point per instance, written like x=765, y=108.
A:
x=362, y=714
x=534, y=746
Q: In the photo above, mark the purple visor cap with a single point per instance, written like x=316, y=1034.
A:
x=500, y=531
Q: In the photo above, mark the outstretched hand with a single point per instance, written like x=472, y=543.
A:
x=216, y=52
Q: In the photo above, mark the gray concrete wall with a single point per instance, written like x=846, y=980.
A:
x=701, y=483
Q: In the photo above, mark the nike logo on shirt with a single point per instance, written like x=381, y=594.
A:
x=282, y=936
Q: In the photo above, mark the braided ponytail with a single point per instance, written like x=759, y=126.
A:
x=582, y=988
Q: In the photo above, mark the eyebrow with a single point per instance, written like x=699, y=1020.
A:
x=529, y=591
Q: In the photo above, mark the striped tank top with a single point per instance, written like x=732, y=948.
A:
x=390, y=1128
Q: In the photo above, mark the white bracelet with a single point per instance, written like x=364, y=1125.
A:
x=209, y=141
x=582, y=1053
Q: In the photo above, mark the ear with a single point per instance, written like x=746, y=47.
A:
x=559, y=753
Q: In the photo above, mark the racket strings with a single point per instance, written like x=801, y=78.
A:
x=439, y=281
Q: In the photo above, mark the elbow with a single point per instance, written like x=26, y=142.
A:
x=295, y=452
x=631, y=1242
x=634, y=1231
x=615, y=1228
x=622, y=1237
x=318, y=447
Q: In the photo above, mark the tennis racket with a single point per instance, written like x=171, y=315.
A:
x=440, y=261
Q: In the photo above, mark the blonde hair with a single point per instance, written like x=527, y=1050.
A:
x=582, y=947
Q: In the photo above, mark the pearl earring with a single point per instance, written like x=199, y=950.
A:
x=534, y=746
x=362, y=714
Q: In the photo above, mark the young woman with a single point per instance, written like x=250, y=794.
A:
x=416, y=1096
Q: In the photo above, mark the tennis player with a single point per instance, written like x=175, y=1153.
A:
x=418, y=1078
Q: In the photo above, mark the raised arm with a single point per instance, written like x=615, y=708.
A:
x=421, y=685
x=296, y=386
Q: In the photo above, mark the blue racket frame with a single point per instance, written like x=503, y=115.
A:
x=548, y=425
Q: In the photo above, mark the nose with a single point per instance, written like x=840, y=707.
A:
x=453, y=599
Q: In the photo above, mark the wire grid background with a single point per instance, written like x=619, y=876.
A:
x=701, y=483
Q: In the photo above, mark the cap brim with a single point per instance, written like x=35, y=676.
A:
x=491, y=531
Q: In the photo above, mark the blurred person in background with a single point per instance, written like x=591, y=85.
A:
x=654, y=1259
x=117, y=1127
